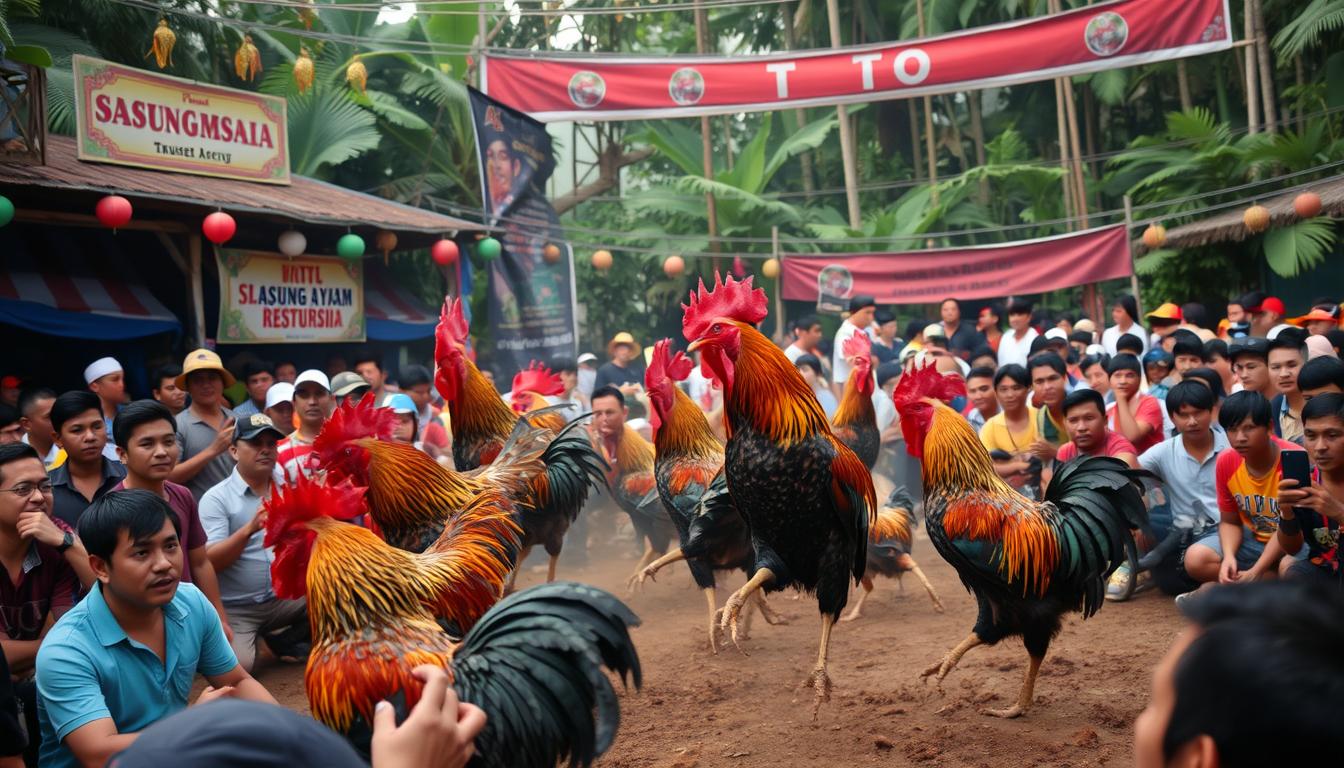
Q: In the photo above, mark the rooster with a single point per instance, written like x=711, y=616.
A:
x=807, y=498
x=889, y=544
x=482, y=423
x=630, y=477
x=855, y=421
x=692, y=487
x=1028, y=563
x=531, y=387
x=533, y=662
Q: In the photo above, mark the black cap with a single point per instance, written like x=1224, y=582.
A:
x=251, y=427
x=884, y=316
x=860, y=301
x=888, y=371
x=811, y=361
x=1248, y=345
x=1082, y=337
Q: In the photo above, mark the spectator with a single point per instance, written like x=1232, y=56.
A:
x=1009, y=435
x=419, y=386
x=1131, y=345
x=1125, y=315
x=13, y=737
x=11, y=425
x=165, y=388
x=1321, y=375
x=406, y=429
x=1216, y=357
x=622, y=371
x=989, y=323
x=1209, y=378
x=286, y=372
x=1313, y=515
x=1079, y=341
x=348, y=385
x=1195, y=318
x=985, y=357
x=234, y=526
x=312, y=403
x=886, y=344
x=1049, y=386
x=1322, y=319
x=370, y=368
x=1287, y=354
x=39, y=584
x=1250, y=362
x=1088, y=327
x=105, y=379
x=1336, y=339
x=862, y=310
x=587, y=374
x=1157, y=367
x=10, y=389
x=806, y=332
x=1265, y=315
x=1164, y=320
x=1319, y=346
x=962, y=335
x=1187, y=354
x=1247, y=481
x=258, y=376
x=568, y=372
x=280, y=405
x=983, y=405
x=1085, y=418
x=1236, y=311
x=35, y=406
x=1056, y=340
x=914, y=338
x=96, y=687
x=1133, y=414
x=87, y=474
x=1093, y=368
x=1014, y=346
x=205, y=429
x=809, y=366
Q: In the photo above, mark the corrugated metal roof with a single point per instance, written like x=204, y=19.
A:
x=306, y=201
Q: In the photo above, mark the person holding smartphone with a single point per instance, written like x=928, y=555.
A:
x=1311, y=507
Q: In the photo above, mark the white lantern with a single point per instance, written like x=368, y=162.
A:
x=292, y=243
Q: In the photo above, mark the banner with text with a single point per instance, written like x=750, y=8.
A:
x=531, y=297
x=978, y=272
x=268, y=298
x=615, y=87
x=130, y=116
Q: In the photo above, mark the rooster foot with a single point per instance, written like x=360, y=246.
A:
x=771, y=618
x=1017, y=710
x=715, y=635
x=728, y=620
x=820, y=681
x=938, y=671
x=852, y=615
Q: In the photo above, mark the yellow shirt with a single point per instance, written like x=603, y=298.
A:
x=996, y=436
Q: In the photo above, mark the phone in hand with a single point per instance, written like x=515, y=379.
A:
x=1297, y=466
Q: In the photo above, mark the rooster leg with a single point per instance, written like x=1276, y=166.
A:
x=909, y=562
x=771, y=618
x=714, y=630
x=819, y=679
x=550, y=569
x=644, y=560
x=733, y=607
x=652, y=568
x=857, y=610
x=518, y=565
x=1024, y=698
x=940, y=670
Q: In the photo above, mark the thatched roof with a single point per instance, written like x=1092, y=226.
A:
x=1228, y=225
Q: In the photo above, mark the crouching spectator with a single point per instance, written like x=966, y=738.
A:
x=1310, y=517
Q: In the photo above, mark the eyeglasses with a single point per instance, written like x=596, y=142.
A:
x=23, y=490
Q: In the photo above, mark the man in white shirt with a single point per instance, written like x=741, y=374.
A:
x=862, y=309
x=806, y=332
x=1015, y=346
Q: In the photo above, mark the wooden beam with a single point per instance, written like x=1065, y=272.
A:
x=194, y=286
x=86, y=220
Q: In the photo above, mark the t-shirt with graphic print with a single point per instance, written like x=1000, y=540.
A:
x=1254, y=499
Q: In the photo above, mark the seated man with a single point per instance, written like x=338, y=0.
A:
x=234, y=529
x=1311, y=517
x=1133, y=414
x=125, y=657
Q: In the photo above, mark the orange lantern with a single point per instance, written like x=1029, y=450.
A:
x=551, y=253
x=770, y=268
x=1307, y=205
x=1155, y=236
x=602, y=260
x=674, y=265
x=1256, y=218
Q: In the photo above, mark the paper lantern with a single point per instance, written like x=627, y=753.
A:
x=1307, y=205
x=357, y=75
x=350, y=247
x=602, y=260
x=488, y=248
x=770, y=268
x=247, y=61
x=1256, y=218
x=551, y=253
x=674, y=265
x=292, y=243
x=303, y=69
x=219, y=227
x=1155, y=236
x=444, y=252
x=113, y=211
x=385, y=241
x=6, y=210
x=162, y=46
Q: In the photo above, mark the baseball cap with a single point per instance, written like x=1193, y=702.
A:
x=399, y=403
x=1248, y=345
x=1167, y=311
x=199, y=360
x=103, y=366
x=346, y=382
x=1057, y=334
x=251, y=427
x=1267, y=304
x=1317, y=314
x=313, y=375
x=1319, y=346
x=587, y=357
x=888, y=371
x=1085, y=325
x=1280, y=328
x=884, y=316
x=861, y=301
x=280, y=392
x=12, y=382
x=934, y=331
x=1158, y=356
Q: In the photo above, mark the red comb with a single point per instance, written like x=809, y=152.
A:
x=537, y=378
x=354, y=421
x=858, y=345
x=666, y=365
x=302, y=499
x=734, y=299
x=452, y=328
x=919, y=383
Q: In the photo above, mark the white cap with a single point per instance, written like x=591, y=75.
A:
x=587, y=357
x=100, y=368
x=1057, y=333
x=280, y=392
x=312, y=374
x=1095, y=349
x=1273, y=332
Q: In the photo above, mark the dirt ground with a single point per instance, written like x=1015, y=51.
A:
x=698, y=710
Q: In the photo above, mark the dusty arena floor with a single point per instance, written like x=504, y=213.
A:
x=698, y=710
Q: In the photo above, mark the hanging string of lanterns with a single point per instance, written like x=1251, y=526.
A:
x=219, y=227
x=6, y=210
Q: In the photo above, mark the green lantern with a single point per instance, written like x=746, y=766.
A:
x=350, y=247
x=488, y=248
x=6, y=210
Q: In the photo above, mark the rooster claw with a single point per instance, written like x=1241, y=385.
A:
x=821, y=682
x=728, y=620
x=1008, y=714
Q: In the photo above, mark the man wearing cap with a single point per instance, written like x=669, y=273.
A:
x=1164, y=321
x=862, y=309
x=1157, y=367
x=962, y=336
x=1322, y=319
x=621, y=372
x=1015, y=345
x=280, y=405
x=1265, y=314
x=1250, y=362
x=407, y=427
x=587, y=374
x=10, y=389
x=205, y=428
x=312, y=403
x=348, y=385
x=886, y=344
x=105, y=379
x=235, y=526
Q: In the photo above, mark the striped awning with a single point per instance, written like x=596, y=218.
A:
x=391, y=312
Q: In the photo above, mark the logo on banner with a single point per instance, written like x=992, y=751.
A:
x=587, y=89
x=834, y=285
x=1106, y=33
x=686, y=86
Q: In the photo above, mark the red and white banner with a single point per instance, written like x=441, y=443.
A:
x=978, y=272
x=1124, y=33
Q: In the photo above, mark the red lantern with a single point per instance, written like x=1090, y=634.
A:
x=219, y=227
x=113, y=211
x=444, y=253
x=1307, y=204
x=674, y=265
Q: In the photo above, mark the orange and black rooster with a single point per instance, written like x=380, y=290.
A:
x=855, y=421
x=482, y=423
x=531, y=387
x=692, y=487
x=889, y=545
x=1028, y=563
x=533, y=662
x=808, y=499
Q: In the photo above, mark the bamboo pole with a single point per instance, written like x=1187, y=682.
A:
x=847, y=153
x=799, y=114
x=1252, y=103
x=779, y=281
x=197, y=292
x=1133, y=270
x=1266, y=67
x=706, y=137
x=929, y=148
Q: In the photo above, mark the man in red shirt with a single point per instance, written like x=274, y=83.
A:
x=312, y=404
x=1085, y=420
x=1136, y=416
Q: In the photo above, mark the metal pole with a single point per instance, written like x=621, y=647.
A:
x=707, y=137
x=197, y=292
x=847, y=154
x=1133, y=271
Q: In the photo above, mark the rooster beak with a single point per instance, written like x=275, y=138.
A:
x=694, y=345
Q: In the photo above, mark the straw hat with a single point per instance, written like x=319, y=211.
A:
x=203, y=360
x=623, y=337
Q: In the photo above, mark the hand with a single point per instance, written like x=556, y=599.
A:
x=223, y=438
x=1042, y=450
x=258, y=520
x=1290, y=493
x=440, y=731
x=211, y=693
x=36, y=525
x=1320, y=501
x=1227, y=573
x=1249, y=575
x=630, y=390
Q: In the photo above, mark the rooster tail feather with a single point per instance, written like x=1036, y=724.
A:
x=519, y=460
x=475, y=552
x=1099, y=502
x=535, y=662
x=714, y=507
x=573, y=468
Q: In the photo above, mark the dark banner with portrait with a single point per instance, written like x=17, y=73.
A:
x=531, y=293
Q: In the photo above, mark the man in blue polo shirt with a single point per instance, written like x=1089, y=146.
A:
x=125, y=657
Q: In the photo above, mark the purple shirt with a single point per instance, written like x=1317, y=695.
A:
x=188, y=520
x=47, y=585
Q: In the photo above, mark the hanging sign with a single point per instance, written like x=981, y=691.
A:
x=1097, y=37
x=268, y=298
x=135, y=117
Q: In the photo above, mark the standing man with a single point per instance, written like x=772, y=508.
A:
x=346, y=385
x=1321, y=375
x=1133, y=414
x=1312, y=516
x=621, y=372
x=587, y=373
x=87, y=474
x=312, y=402
x=1250, y=362
x=806, y=332
x=371, y=368
x=280, y=405
x=205, y=429
x=35, y=406
x=1216, y=356
x=165, y=389
x=1287, y=354
x=1015, y=346
x=569, y=379
x=1265, y=314
x=989, y=324
x=862, y=309
x=258, y=376
x=886, y=346
x=962, y=336
x=105, y=379
x=982, y=404
x=286, y=372
x=1049, y=385
x=417, y=383
x=234, y=526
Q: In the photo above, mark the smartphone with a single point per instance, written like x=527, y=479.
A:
x=1297, y=466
